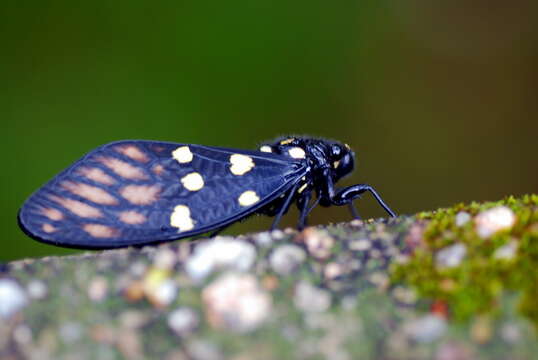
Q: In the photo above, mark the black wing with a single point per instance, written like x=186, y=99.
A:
x=137, y=192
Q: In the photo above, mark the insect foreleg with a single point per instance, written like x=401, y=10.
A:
x=326, y=191
x=354, y=211
x=348, y=194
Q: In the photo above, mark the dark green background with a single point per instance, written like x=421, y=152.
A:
x=439, y=99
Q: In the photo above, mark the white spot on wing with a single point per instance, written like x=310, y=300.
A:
x=96, y=174
x=297, y=153
x=158, y=169
x=48, y=228
x=77, y=207
x=182, y=154
x=248, y=198
x=141, y=194
x=92, y=193
x=132, y=217
x=123, y=168
x=53, y=214
x=241, y=164
x=266, y=148
x=133, y=152
x=181, y=218
x=100, y=231
x=193, y=181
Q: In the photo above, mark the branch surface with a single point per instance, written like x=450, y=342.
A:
x=457, y=283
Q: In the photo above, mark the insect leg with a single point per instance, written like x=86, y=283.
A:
x=327, y=191
x=346, y=196
x=354, y=211
x=316, y=203
x=352, y=207
x=284, y=207
x=302, y=203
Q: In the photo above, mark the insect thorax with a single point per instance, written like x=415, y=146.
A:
x=324, y=158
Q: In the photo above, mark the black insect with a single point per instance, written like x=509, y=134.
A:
x=137, y=192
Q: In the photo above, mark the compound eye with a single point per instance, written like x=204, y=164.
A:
x=344, y=165
x=336, y=151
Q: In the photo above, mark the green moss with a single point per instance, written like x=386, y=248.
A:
x=476, y=285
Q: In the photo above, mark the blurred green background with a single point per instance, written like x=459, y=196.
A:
x=438, y=99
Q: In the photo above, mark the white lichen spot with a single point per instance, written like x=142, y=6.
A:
x=404, y=295
x=37, y=289
x=160, y=289
x=360, y=245
x=165, y=259
x=22, y=334
x=333, y=270
x=462, y=218
x=236, y=302
x=286, y=258
x=183, y=320
x=450, y=256
x=240, y=164
x=164, y=294
x=201, y=349
x=248, y=198
x=12, y=298
x=182, y=154
x=181, y=218
x=493, y=220
x=266, y=148
x=511, y=333
x=297, y=153
x=70, y=332
x=98, y=288
x=221, y=252
x=379, y=279
x=507, y=251
x=311, y=299
x=318, y=242
x=263, y=239
x=193, y=181
x=426, y=328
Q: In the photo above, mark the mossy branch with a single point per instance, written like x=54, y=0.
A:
x=457, y=278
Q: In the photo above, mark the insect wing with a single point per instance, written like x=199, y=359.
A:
x=138, y=192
